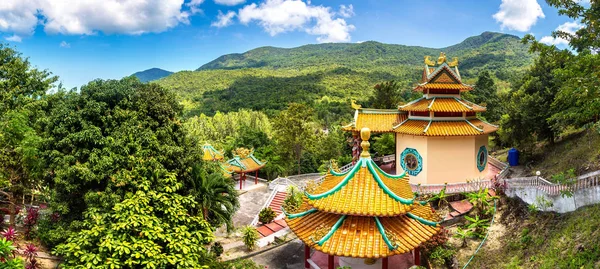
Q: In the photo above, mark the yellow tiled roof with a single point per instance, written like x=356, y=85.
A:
x=244, y=163
x=357, y=192
x=437, y=104
x=443, y=86
x=445, y=128
x=359, y=236
x=378, y=120
x=362, y=213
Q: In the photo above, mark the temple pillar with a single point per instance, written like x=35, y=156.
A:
x=330, y=262
x=355, y=147
x=384, y=263
x=241, y=179
x=417, y=254
x=256, y=178
x=306, y=256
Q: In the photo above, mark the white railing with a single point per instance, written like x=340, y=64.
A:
x=582, y=182
x=452, y=188
x=346, y=167
x=267, y=203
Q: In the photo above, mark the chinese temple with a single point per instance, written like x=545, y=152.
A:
x=243, y=162
x=363, y=216
x=439, y=138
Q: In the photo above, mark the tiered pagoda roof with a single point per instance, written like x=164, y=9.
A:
x=378, y=120
x=211, y=154
x=363, y=213
x=440, y=112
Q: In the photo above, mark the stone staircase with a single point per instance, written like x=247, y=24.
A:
x=277, y=202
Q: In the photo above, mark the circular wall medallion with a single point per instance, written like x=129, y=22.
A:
x=411, y=161
x=482, y=158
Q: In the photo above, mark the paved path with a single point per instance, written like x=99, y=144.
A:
x=288, y=256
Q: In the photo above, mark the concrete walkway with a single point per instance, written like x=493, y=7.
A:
x=288, y=256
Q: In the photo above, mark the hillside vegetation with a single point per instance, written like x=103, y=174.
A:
x=543, y=240
x=268, y=78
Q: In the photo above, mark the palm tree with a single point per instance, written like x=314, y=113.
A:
x=216, y=195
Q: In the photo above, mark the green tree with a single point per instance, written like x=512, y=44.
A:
x=119, y=162
x=486, y=94
x=21, y=89
x=387, y=95
x=294, y=130
x=216, y=196
x=587, y=38
x=530, y=106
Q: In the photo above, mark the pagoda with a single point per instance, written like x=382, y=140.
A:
x=439, y=138
x=363, y=216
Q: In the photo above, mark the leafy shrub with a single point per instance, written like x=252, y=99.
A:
x=293, y=199
x=30, y=256
x=250, y=237
x=478, y=226
x=30, y=221
x=439, y=239
x=217, y=249
x=441, y=254
x=10, y=234
x=266, y=215
x=52, y=232
x=7, y=256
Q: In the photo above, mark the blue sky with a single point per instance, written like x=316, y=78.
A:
x=80, y=40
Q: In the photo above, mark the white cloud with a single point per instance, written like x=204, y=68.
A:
x=223, y=19
x=92, y=16
x=518, y=15
x=279, y=16
x=14, y=38
x=229, y=2
x=64, y=44
x=346, y=11
x=567, y=27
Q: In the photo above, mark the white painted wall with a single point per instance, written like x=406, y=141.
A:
x=583, y=197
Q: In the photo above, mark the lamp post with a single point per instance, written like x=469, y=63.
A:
x=537, y=176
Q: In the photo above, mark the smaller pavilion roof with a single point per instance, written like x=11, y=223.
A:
x=442, y=104
x=445, y=128
x=378, y=120
x=211, y=154
x=243, y=161
x=442, y=77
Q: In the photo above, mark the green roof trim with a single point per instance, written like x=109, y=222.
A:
x=390, y=176
x=349, y=176
x=422, y=220
x=332, y=231
x=298, y=215
x=382, y=232
x=386, y=189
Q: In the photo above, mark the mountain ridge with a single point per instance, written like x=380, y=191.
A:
x=329, y=75
x=151, y=74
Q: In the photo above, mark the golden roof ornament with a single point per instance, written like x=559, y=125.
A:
x=365, y=134
x=454, y=62
x=428, y=61
x=442, y=58
x=355, y=105
x=242, y=152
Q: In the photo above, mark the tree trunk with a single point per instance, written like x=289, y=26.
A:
x=205, y=212
x=299, y=160
x=11, y=209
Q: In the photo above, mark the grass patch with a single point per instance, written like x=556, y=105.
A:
x=579, y=150
x=546, y=240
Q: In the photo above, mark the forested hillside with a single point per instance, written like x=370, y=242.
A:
x=329, y=75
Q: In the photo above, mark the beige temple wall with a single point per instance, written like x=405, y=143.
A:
x=420, y=144
x=451, y=159
x=445, y=159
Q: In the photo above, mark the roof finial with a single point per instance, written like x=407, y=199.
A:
x=442, y=58
x=365, y=134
